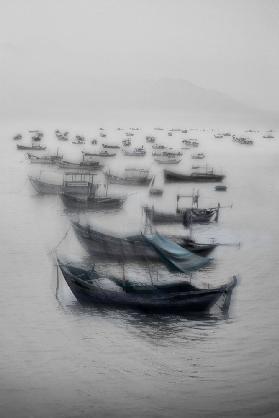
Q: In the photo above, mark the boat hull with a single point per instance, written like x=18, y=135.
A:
x=171, y=176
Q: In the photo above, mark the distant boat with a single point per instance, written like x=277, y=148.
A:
x=99, y=154
x=17, y=137
x=197, y=177
x=32, y=147
x=218, y=136
x=150, y=139
x=167, y=159
x=44, y=159
x=131, y=176
x=111, y=146
x=137, y=152
x=83, y=165
x=198, y=156
x=221, y=188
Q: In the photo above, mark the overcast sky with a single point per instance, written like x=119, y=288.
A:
x=228, y=45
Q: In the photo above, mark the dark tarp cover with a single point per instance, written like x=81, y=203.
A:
x=180, y=258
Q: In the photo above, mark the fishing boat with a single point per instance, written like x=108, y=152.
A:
x=126, y=142
x=61, y=136
x=198, y=156
x=88, y=286
x=79, y=140
x=112, y=146
x=150, y=139
x=196, y=177
x=17, y=137
x=131, y=176
x=218, y=136
x=102, y=153
x=83, y=165
x=167, y=152
x=44, y=159
x=221, y=188
x=134, y=247
x=137, y=152
x=33, y=147
x=164, y=159
x=158, y=146
x=74, y=182
x=268, y=136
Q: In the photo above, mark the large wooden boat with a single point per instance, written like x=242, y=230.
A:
x=134, y=247
x=88, y=286
x=195, y=177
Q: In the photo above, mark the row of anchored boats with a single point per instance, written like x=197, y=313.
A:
x=162, y=263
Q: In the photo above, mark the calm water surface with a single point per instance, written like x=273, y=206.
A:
x=59, y=359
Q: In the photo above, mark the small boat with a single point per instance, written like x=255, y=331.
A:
x=89, y=287
x=184, y=216
x=94, y=142
x=126, y=142
x=167, y=160
x=44, y=159
x=112, y=146
x=17, y=137
x=83, y=165
x=102, y=135
x=137, y=152
x=92, y=202
x=221, y=188
x=218, y=136
x=158, y=146
x=61, y=136
x=150, y=139
x=79, y=140
x=131, y=176
x=32, y=147
x=167, y=152
x=198, y=156
x=195, y=177
x=102, y=153
x=268, y=136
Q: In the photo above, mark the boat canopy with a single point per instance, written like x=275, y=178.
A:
x=178, y=257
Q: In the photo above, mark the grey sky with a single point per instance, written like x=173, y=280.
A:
x=229, y=45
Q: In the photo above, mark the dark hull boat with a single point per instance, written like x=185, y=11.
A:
x=30, y=147
x=44, y=187
x=90, y=288
x=44, y=159
x=208, y=176
x=77, y=202
x=92, y=166
x=129, y=180
x=105, y=246
x=197, y=215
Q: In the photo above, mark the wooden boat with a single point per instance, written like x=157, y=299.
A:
x=150, y=139
x=45, y=187
x=197, y=215
x=44, y=159
x=92, y=202
x=137, y=152
x=98, y=154
x=221, y=188
x=73, y=183
x=134, y=247
x=32, y=147
x=88, y=286
x=167, y=152
x=126, y=142
x=198, y=156
x=167, y=160
x=110, y=146
x=83, y=165
x=131, y=176
x=218, y=136
x=196, y=177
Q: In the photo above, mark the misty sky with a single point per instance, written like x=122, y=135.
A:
x=228, y=45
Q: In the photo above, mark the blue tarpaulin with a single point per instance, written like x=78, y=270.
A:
x=178, y=257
